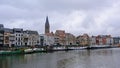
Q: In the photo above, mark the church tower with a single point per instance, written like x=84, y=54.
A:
x=47, y=26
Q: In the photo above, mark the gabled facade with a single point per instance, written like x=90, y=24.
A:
x=83, y=40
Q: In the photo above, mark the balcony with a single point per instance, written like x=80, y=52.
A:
x=1, y=38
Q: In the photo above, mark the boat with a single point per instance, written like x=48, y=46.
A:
x=59, y=48
x=99, y=46
x=38, y=49
x=9, y=52
x=27, y=51
x=76, y=48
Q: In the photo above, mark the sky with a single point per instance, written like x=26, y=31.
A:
x=94, y=17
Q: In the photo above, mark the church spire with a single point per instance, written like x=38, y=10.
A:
x=47, y=26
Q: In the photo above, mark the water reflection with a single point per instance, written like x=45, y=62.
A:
x=102, y=58
x=9, y=61
x=87, y=59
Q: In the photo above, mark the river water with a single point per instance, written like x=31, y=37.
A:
x=100, y=58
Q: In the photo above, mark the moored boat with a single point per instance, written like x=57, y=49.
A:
x=76, y=48
x=9, y=52
x=27, y=51
x=59, y=48
x=99, y=46
x=38, y=49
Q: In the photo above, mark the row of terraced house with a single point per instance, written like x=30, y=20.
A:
x=20, y=37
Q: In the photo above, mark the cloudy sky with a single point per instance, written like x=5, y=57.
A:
x=74, y=16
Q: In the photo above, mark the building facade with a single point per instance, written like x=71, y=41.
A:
x=47, y=40
x=70, y=39
x=1, y=35
x=101, y=40
x=60, y=34
x=83, y=40
x=9, y=37
x=18, y=32
x=116, y=40
x=104, y=40
x=109, y=40
x=93, y=40
x=30, y=38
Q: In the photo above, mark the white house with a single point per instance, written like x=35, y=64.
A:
x=18, y=36
x=93, y=40
x=47, y=39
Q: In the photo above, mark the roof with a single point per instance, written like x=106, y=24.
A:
x=8, y=30
x=17, y=30
x=1, y=26
x=31, y=32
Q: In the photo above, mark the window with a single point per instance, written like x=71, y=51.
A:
x=19, y=43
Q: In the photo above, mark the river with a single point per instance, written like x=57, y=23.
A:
x=99, y=58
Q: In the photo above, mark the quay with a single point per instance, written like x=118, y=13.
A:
x=101, y=46
x=29, y=50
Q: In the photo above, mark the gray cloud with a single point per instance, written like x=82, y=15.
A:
x=75, y=16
